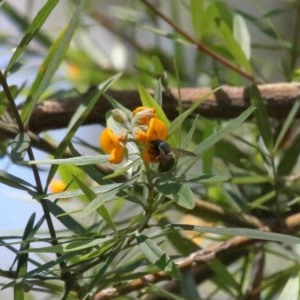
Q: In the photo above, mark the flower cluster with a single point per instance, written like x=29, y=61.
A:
x=143, y=129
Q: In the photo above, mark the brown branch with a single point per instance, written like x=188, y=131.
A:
x=227, y=103
x=221, y=250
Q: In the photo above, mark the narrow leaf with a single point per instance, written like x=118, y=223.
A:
x=291, y=289
x=91, y=196
x=242, y=35
x=32, y=30
x=251, y=233
x=19, y=288
x=157, y=257
x=65, y=219
x=196, y=11
x=76, y=161
x=233, y=46
x=215, y=137
x=290, y=118
x=19, y=146
x=177, y=123
x=14, y=181
x=51, y=63
x=261, y=116
x=185, y=197
x=289, y=157
x=233, y=124
x=149, y=101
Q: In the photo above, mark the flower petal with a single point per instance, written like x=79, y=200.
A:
x=142, y=115
x=108, y=140
x=116, y=155
x=157, y=130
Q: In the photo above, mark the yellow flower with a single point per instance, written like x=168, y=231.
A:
x=110, y=143
x=57, y=186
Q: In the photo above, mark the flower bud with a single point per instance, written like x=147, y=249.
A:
x=120, y=117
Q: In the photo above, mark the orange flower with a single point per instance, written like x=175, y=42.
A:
x=157, y=130
x=110, y=143
x=57, y=186
x=142, y=115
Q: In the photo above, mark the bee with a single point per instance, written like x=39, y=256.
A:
x=166, y=155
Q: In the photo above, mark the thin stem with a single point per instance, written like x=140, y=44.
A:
x=20, y=124
x=198, y=45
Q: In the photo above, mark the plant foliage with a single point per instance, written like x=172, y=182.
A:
x=210, y=206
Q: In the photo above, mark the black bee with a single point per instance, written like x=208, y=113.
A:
x=166, y=156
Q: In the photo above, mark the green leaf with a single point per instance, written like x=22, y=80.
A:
x=159, y=292
x=32, y=30
x=98, y=202
x=260, y=23
x=149, y=101
x=97, y=278
x=76, y=161
x=3, y=98
x=19, y=146
x=287, y=124
x=85, y=108
x=187, y=139
x=78, y=192
x=166, y=186
x=291, y=289
x=92, y=196
x=48, y=249
x=117, y=104
x=157, y=257
x=189, y=286
x=65, y=219
x=233, y=46
x=261, y=116
x=82, y=245
x=228, y=282
x=48, y=265
x=251, y=233
x=15, y=182
x=215, y=137
x=242, y=35
x=51, y=63
x=258, y=202
x=158, y=93
x=196, y=11
x=177, y=123
x=19, y=288
x=289, y=157
x=205, y=178
x=182, y=244
x=185, y=197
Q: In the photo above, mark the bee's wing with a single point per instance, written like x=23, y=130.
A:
x=181, y=152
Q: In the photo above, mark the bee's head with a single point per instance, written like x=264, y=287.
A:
x=161, y=146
